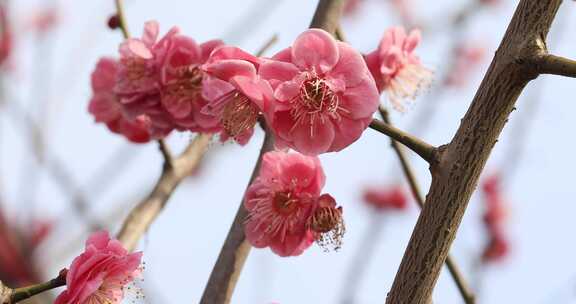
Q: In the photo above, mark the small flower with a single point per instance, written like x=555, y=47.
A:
x=105, y=107
x=496, y=250
x=100, y=273
x=395, y=67
x=327, y=223
x=138, y=85
x=324, y=94
x=236, y=93
x=280, y=202
x=386, y=198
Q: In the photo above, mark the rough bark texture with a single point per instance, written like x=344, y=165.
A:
x=456, y=174
x=234, y=252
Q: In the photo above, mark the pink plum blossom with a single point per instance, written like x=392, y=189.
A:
x=327, y=223
x=105, y=107
x=324, y=94
x=182, y=80
x=100, y=273
x=396, y=68
x=236, y=93
x=285, y=209
x=6, y=43
x=495, y=217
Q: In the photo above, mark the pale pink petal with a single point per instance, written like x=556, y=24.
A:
x=315, y=49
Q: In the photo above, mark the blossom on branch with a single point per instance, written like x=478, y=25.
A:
x=324, y=94
x=100, y=274
x=396, y=68
x=494, y=218
x=285, y=209
x=236, y=94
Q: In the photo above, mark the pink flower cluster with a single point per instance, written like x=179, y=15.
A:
x=386, y=198
x=316, y=96
x=286, y=209
x=497, y=247
x=100, y=273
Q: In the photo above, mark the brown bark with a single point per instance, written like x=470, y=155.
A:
x=455, y=175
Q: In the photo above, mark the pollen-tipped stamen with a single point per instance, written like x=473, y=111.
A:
x=328, y=224
x=240, y=114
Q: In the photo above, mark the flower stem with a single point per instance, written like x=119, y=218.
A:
x=24, y=293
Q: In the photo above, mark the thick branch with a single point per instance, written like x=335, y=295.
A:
x=455, y=272
x=556, y=65
x=143, y=215
x=460, y=163
x=327, y=15
x=426, y=151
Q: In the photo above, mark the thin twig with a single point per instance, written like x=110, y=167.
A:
x=555, y=65
x=122, y=19
x=269, y=43
x=425, y=150
x=11, y=296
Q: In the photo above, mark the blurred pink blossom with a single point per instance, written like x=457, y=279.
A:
x=100, y=273
x=6, y=43
x=396, y=68
x=324, y=94
x=495, y=216
x=386, y=198
x=468, y=59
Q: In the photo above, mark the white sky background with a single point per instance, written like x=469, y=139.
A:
x=183, y=243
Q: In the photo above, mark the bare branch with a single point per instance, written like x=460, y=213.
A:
x=11, y=296
x=460, y=163
x=426, y=151
x=463, y=287
x=144, y=214
x=555, y=65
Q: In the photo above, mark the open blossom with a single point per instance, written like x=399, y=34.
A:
x=396, y=68
x=386, y=198
x=286, y=211
x=324, y=94
x=105, y=107
x=100, y=273
x=182, y=82
x=236, y=94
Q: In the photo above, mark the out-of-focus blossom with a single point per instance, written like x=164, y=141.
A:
x=105, y=107
x=236, y=93
x=6, y=43
x=405, y=11
x=44, y=20
x=100, y=273
x=386, y=198
x=396, y=68
x=494, y=218
x=324, y=94
x=351, y=7
x=490, y=2
x=468, y=58
x=286, y=211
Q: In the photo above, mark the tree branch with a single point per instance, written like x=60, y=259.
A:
x=455, y=175
x=11, y=296
x=142, y=216
x=463, y=287
x=556, y=65
x=426, y=151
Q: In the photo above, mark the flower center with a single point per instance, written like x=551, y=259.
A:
x=239, y=115
x=284, y=202
x=136, y=69
x=188, y=82
x=315, y=102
